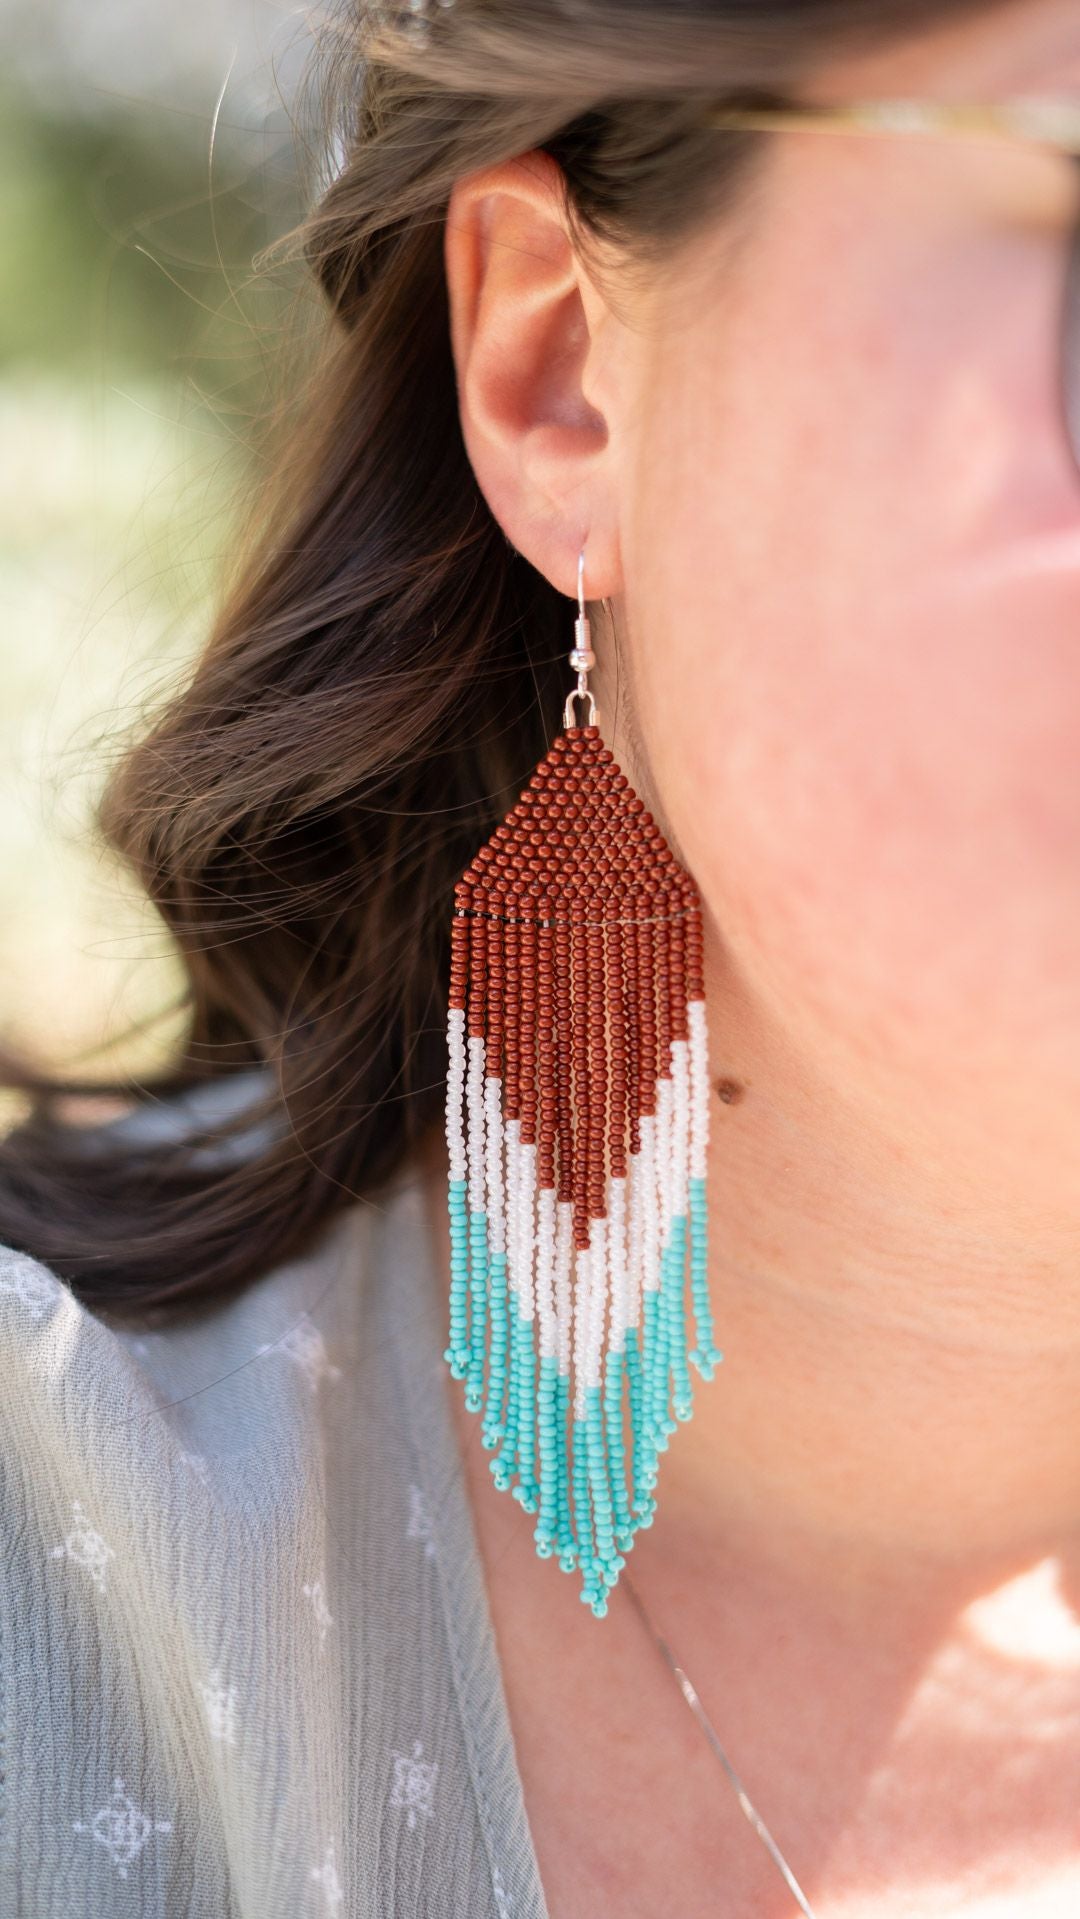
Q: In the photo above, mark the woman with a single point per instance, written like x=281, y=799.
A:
x=274, y=1642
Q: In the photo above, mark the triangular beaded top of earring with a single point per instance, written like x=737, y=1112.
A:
x=577, y=1127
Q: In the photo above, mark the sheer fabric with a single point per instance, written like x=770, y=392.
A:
x=247, y=1662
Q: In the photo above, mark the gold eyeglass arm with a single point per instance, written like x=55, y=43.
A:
x=1047, y=120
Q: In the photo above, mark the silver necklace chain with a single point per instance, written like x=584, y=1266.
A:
x=689, y=1693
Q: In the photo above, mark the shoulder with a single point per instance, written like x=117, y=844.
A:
x=162, y=1540
x=222, y=1554
x=127, y=1457
x=88, y=1398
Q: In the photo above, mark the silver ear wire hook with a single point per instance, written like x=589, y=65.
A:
x=582, y=657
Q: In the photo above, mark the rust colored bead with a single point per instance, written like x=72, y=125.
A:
x=579, y=1008
x=617, y=1045
x=477, y=942
x=510, y=948
x=679, y=1029
x=495, y=1008
x=567, y=955
x=646, y=971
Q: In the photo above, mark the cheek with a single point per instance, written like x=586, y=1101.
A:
x=871, y=763
x=891, y=833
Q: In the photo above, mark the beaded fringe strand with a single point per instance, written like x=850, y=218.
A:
x=577, y=1128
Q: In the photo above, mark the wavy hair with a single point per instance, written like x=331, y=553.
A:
x=384, y=670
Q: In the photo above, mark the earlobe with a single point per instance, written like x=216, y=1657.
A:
x=521, y=313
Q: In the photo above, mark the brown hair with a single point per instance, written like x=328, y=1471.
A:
x=385, y=669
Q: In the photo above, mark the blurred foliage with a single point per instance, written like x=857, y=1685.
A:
x=126, y=242
x=137, y=347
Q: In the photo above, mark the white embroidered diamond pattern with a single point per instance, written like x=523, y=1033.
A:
x=414, y=1782
x=220, y=1704
x=319, y=1607
x=122, y=1828
x=305, y=1345
x=420, y=1526
x=198, y=1464
x=501, y=1899
x=86, y=1547
x=33, y=1287
x=326, y=1876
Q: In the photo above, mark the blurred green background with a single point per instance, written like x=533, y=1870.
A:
x=146, y=156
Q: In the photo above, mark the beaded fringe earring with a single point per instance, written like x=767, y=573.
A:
x=577, y=1126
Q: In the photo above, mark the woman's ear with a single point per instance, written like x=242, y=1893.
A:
x=528, y=330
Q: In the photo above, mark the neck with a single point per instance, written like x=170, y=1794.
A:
x=899, y=1400
x=898, y=1408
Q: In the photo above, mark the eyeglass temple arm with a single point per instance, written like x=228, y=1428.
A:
x=1048, y=121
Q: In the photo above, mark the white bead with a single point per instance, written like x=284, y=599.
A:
x=563, y=1293
x=513, y=1259
x=617, y=1261
x=699, y=1086
x=494, y=1143
x=595, y=1301
x=527, y=1225
x=650, y=1218
x=664, y=1095
x=545, y=1271
x=582, y=1255
x=680, y=1126
x=455, y=1081
x=635, y=1240
x=474, y=1092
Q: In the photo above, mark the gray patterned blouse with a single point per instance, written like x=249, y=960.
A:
x=247, y=1663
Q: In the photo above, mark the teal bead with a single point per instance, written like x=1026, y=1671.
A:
x=705, y=1355
x=511, y=1422
x=659, y=1365
x=564, y=1525
x=584, y=1542
x=613, y=1410
x=529, y=1490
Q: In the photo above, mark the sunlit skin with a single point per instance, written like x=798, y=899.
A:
x=823, y=480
